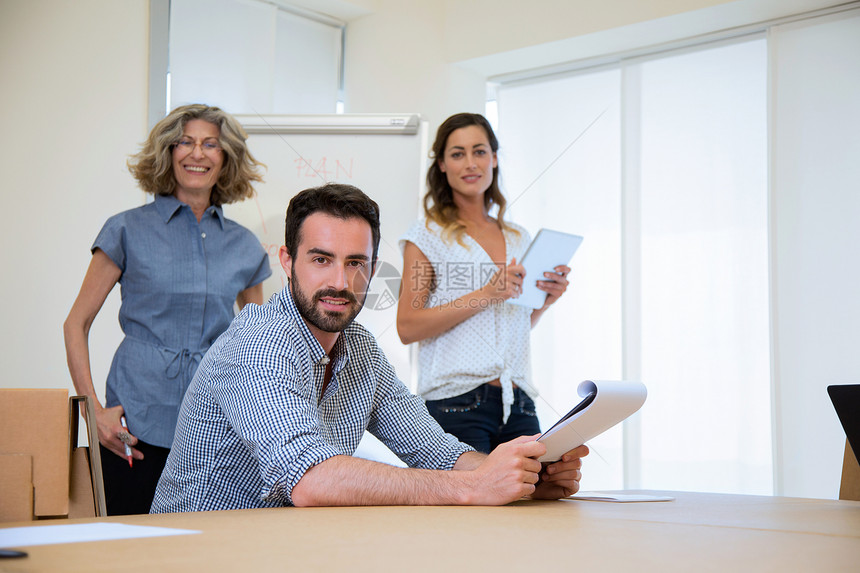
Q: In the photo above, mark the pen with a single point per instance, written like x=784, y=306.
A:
x=127, y=447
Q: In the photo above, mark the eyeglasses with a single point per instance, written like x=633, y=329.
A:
x=187, y=145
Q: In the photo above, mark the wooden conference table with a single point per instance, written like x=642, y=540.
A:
x=695, y=532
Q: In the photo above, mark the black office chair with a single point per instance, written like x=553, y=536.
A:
x=846, y=401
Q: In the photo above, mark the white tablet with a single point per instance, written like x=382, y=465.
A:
x=548, y=250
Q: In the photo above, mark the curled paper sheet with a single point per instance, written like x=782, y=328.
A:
x=604, y=404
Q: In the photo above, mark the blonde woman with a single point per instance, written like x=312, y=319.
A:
x=460, y=266
x=181, y=266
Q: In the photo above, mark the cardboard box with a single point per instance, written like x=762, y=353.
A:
x=35, y=422
x=81, y=499
x=43, y=472
x=16, y=485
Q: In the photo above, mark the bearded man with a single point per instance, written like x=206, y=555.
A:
x=283, y=397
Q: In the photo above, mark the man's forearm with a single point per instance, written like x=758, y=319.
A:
x=469, y=461
x=507, y=474
x=344, y=480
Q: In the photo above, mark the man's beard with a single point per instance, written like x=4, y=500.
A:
x=324, y=320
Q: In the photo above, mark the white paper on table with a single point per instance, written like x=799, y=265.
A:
x=50, y=534
x=618, y=497
x=613, y=401
x=370, y=448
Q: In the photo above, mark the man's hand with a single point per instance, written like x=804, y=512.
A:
x=507, y=474
x=561, y=478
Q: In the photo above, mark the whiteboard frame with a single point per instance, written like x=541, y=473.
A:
x=355, y=123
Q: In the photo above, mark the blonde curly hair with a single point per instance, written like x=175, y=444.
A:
x=152, y=166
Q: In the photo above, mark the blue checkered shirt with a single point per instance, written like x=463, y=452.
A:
x=252, y=422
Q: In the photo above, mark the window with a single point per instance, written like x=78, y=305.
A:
x=253, y=57
x=561, y=171
x=662, y=165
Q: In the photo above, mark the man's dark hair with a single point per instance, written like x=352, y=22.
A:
x=334, y=199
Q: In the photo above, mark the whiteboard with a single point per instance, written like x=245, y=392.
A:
x=383, y=155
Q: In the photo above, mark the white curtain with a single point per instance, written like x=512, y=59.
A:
x=250, y=57
x=705, y=352
x=815, y=209
x=560, y=170
x=669, y=188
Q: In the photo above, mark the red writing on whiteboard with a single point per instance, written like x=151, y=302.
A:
x=328, y=169
x=272, y=250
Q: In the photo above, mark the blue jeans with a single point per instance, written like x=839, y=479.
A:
x=476, y=417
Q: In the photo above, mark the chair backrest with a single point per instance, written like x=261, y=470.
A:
x=850, y=487
x=846, y=402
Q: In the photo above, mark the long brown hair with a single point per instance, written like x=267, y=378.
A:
x=439, y=205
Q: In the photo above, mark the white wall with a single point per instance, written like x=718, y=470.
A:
x=74, y=105
x=395, y=62
x=518, y=40
x=433, y=57
x=507, y=25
